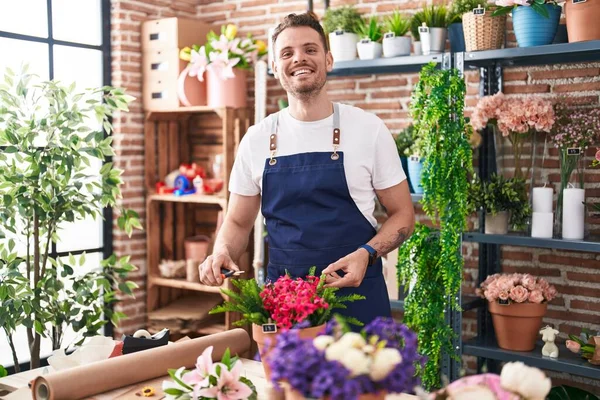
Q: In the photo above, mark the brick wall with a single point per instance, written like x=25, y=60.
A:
x=574, y=274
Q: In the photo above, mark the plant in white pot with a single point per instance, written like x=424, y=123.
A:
x=434, y=29
x=395, y=43
x=369, y=46
x=415, y=22
x=341, y=25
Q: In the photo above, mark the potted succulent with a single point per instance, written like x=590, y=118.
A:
x=369, y=46
x=517, y=302
x=341, y=24
x=302, y=304
x=434, y=29
x=415, y=22
x=535, y=22
x=344, y=365
x=482, y=30
x=395, y=43
x=504, y=202
x=404, y=143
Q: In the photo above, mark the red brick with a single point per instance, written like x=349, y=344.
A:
x=515, y=76
x=472, y=77
x=565, y=73
x=516, y=255
x=262, y=21
x=216, y=7
x=136, y=7
x=578, y=291
x=569, y=261
x=383, y=83
x=391, y=94
x=255, y=3
x=531, y=270
x=214, y=18
x=576, y=87
x=289, y=8
x=409, y=5
x=515, y=89
x=248, y=13
x=572, y=316
x=341, y=84
x=577, y=276
x=393, y=115
x=585, y=305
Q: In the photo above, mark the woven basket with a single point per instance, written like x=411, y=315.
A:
x=483, y=32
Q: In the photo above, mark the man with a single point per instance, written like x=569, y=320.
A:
x=317, y=167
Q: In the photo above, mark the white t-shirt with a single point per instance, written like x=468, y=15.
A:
x=371, y=159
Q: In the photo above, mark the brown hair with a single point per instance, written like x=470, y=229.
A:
x=308, y=18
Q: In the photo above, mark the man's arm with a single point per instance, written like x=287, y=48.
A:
x=232, y=240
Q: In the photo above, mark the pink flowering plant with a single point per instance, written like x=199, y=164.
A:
x=516, y=288
x=221, y=380
x=516, y=118
x=587, y=345
x=507, y=6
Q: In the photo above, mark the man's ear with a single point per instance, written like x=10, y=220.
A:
x=274, y=68
x=329, y=61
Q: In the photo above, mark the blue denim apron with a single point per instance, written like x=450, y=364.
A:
x=312, y=220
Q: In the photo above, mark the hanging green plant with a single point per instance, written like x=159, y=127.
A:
x=437, y=109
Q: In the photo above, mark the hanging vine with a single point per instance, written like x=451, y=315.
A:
x=430, y=264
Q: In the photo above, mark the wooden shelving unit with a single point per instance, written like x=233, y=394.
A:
x=173, y=137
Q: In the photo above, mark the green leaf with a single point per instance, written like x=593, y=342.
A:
x=10, y=149
x=3, y=372
x=82, y=259
x=72, y=260
x=540, y=9
x=39, y=328
x=173, y=392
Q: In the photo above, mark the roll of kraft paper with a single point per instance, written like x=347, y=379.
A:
x=114, y=373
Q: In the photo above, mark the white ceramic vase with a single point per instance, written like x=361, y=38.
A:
x=434, y=41
x=396, y=46
x=417, y=49
x=343, y=45
x=369, y=50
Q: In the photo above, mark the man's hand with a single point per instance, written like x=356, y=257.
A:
x=354, y=266
x=210, y=269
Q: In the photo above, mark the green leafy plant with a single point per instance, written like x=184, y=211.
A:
x=436, y=16
x=536, y=5
x=396, y=23
x=345, y=18
x=501, y=194
x=405, y=140
x=371, y=29
x=460, y=7
x=249, y=301
x=437, y=109
x=3, y=372
x=415, y=22
x=565, y=392
x=50, y=138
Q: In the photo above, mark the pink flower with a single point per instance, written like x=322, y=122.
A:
x=519, y=294
x=198, y=63
x=505, y=3
x=503, y=295
x=529, y=282
x=204, y=365
x=598, y=155
x=550, y=293
x=573, y=346
x=228, y=386
x=536, y=296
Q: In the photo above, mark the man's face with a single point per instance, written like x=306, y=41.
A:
x=301, y=63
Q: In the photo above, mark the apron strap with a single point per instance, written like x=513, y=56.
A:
x=273, y=140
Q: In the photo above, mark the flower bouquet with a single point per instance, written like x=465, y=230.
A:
x=587, y=345
x=517, y=303
x=221, y=380
x=344, y=365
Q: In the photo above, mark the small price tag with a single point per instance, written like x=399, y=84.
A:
x=479, y=10
x=269, y=328
x=424, y=28
x=389, y=35
x=339, y=32
x=578, y=1
x=365, y=41
x=573, y=151
x=504, y=302
x=415, y=158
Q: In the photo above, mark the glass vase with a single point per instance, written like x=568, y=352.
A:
x=572, y=166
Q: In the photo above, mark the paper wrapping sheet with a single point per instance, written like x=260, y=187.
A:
x=102, y=376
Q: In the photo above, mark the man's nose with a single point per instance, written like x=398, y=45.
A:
x=299, y=57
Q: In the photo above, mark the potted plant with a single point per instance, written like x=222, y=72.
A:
x=303, y=304
x=369, y=46
x=455, y=30
x=404, y=143
x=581, y=17
x=341, y=24
x=434, y=29
x=504, y=202
x=225, y=59
x=48, y=144
x=517, y=303
x=344, y=365
x=415, y=165
x=587, y=345
x=395, y=43
x=415, y=23
x=534, y=21
x=482, y=30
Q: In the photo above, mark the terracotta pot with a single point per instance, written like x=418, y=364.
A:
x=190, y=90
x=582, y=20
x=497, y=224
x=196, y=248
x=230, y=92
x=517, y=324
x=266, y=341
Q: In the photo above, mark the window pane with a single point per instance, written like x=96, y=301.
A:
x=27, y=17
x=82, y=66
x=77, y=21
x=18, y=52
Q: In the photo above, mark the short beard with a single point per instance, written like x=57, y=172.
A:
x=306, y=93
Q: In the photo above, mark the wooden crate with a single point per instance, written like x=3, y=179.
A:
x=172, y=137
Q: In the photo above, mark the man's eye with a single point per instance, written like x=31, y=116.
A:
x=312, y=51
x=286, y=54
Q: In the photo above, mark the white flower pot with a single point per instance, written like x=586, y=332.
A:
x=343, y=45
x=396, y=46
x=369, y=51
x=434, y=41
x=417, y=48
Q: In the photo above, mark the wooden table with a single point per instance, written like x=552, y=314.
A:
x=253, y=370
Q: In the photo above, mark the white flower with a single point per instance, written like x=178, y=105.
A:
x=352, y=339
x=529, y=382
x=335, y=351
x=322, y=342
x=384, y=362
x=355, y=361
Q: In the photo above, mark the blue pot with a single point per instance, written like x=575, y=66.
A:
x=415, y=169
x=457, y=37
x=404, y=161
x=532, y=28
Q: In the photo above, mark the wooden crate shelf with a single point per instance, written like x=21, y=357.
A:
x=182, y=284
x=190, y=199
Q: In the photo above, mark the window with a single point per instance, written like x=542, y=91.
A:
x=67, y=40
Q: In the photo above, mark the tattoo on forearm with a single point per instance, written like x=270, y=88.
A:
x=396, y=240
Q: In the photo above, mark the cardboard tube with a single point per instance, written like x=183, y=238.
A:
x=102, y=376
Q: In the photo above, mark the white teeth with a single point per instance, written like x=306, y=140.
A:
x=301, y=72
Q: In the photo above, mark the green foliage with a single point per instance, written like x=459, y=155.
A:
x=397, y=23
x=51, y=136
x=415, y=22
x=565, y=392
x=501, y=194
x=421, y=267
x=346, y=18
x=437, y=109
x=3, y=372
x=437, y=16
x=405, y=140
x=370, y=28
x=460, y=7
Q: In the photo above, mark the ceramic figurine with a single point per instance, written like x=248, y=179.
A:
x=548, y=336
